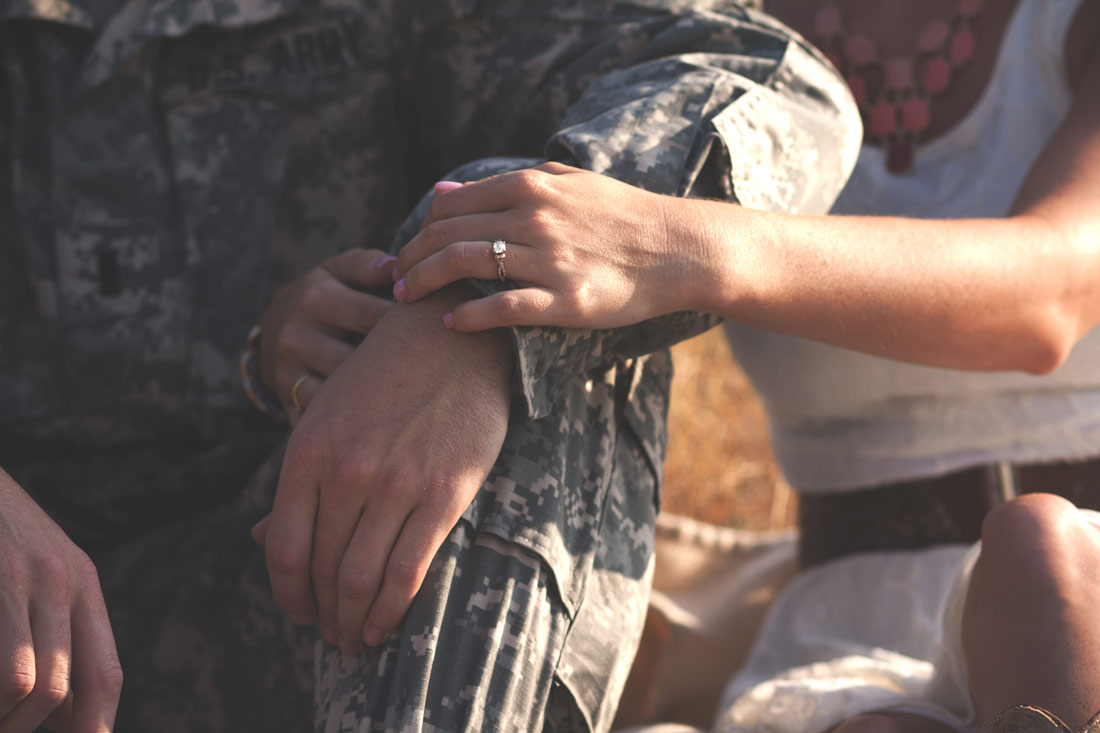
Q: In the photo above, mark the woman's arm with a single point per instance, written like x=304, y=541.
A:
x=1012, y=293
x=995, y=294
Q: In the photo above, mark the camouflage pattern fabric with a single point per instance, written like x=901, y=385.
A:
x=166, y=164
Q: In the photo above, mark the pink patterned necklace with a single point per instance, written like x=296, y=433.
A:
x=895, y=95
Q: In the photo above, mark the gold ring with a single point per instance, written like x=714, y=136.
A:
x=500, y=251
x=295, y=399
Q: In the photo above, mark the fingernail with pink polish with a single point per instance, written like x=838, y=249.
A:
x=399, y=290
x=383, y=262
x=444, y=186
x=448, y=320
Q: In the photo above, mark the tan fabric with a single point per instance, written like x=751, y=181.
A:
x=711, y=589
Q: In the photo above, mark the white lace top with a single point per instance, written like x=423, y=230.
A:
x=841, y=419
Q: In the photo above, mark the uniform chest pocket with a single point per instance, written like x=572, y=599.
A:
x=281, y=139
x=190, y=181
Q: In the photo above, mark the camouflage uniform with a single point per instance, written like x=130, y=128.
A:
x=165, y=164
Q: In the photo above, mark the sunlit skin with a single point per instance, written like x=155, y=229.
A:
x=347, y=468
x=1014, y=293
x=57, y=653
x=356, y=523
x=591, y=252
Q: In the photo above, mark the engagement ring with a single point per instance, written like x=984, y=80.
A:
x=500, y=251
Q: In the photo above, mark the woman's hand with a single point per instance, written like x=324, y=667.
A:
x=308, y=326
x=586, y=250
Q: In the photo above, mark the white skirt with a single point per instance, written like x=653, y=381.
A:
x=873, y=632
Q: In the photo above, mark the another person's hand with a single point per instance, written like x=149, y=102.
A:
x=586, y=250
x=380, y=468
x=307, y=326
x=58, y=664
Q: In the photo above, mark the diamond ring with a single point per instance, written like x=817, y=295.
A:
x=500, y=251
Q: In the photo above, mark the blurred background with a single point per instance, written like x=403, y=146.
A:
x=719, y=467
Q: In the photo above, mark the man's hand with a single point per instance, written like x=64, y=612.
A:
x=58, y=664
x=378, y=471
x=306, y=325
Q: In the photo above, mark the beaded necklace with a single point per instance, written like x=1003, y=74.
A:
x=895, y=95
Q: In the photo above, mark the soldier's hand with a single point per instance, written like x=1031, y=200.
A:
x=379, y=470
x=58, y=664
x=309, y=323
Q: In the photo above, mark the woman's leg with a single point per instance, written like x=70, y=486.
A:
x=1031, y=624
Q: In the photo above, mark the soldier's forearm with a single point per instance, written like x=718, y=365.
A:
x=416, y=328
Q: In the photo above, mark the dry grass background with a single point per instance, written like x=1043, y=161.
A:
x=719, y=467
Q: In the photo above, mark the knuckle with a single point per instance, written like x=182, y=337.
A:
x=283, y=559
x=392, y=490
x=19, y=683
x=51, y=570
x=312, y=297
x=110, y=678
x=541, y=222
x=84, y=571
x=355, y=585
x=530, y=182
x=574, y=303
x=322, y=571
x=404, y=572
x=351, y=472
x=457, y=259
x=438, y=498
x=439, y=234
x=287, y=342
x=53, y=693
x=562, y=262
x=303, y=446
x=507, y=308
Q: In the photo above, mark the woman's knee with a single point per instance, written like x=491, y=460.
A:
x=1037, y=530
x=1029, y=630
x=1035, y=544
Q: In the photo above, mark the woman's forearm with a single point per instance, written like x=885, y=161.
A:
x=984, y=294
x=1012, y=293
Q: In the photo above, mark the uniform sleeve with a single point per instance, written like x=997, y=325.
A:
x=723, y=106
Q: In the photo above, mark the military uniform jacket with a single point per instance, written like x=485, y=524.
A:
x=165, y=164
